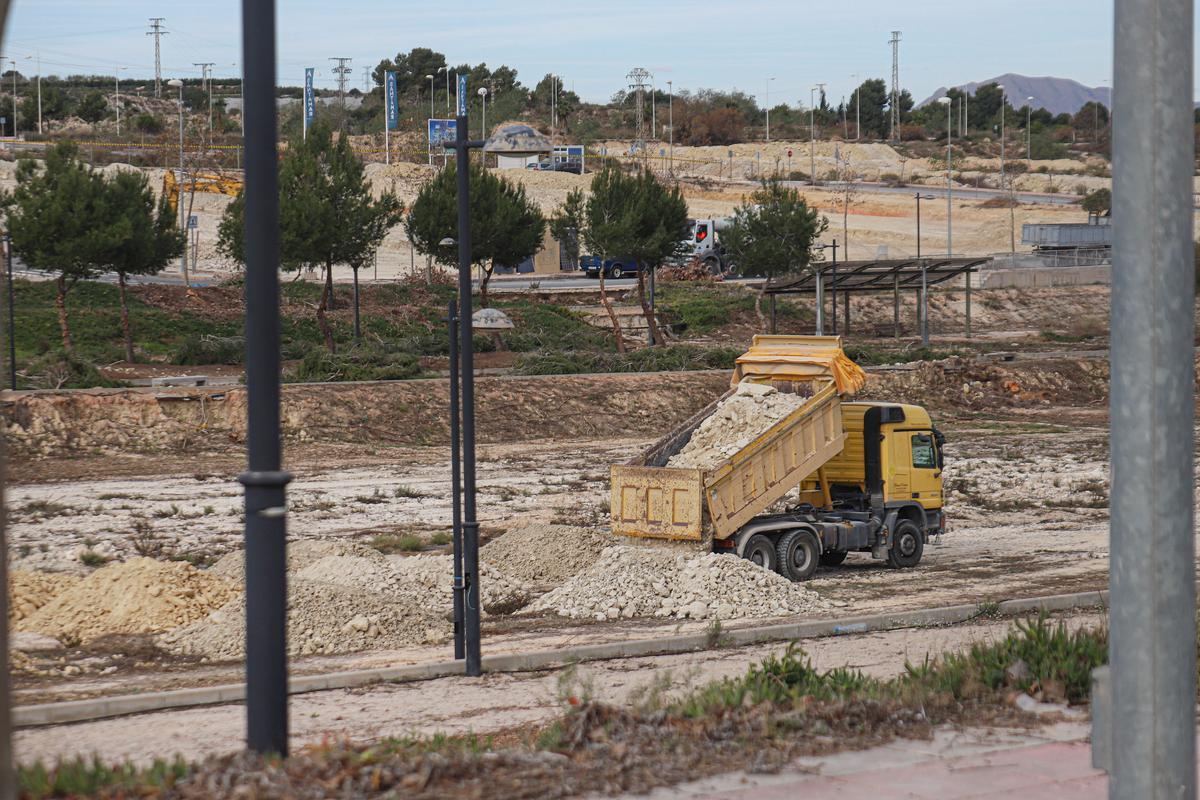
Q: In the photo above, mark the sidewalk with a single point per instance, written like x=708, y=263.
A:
x=1048, y=763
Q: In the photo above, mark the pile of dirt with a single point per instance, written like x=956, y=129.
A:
x=28, y=591
x=323, y=618
x=629, y=582
x=545, y=554
x=736, y=422
x=301, y=553
x=415, y=581
x=138, y=596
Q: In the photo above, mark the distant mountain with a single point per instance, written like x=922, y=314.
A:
x=1056, y=95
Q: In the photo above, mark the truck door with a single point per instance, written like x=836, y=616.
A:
x=899, y=470
x=925, y=481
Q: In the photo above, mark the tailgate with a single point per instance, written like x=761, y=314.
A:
x=658, y=503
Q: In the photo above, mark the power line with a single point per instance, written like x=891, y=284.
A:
x=156, y=30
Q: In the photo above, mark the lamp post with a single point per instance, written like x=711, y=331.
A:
x=513, y=140
x=857, y=116
x=812, y=136
x=116, y=103
x=767, y=103
x=14, y=72
x=1003, y=103
x=39, y=95
x=949, y=104
x=924, y=285
x=671, y=126
x=1029, y=132
x=446, y=69
x=178, y=84
x=483, y=92
x=430, y=79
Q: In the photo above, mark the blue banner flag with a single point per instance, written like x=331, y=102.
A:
x=310, y=101
x=462, y=95
x=392, y=100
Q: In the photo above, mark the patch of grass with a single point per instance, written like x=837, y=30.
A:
x=375, y=498
x=172, y=510
x=410, y=492
x=44, y=509
x=208, y=349
x=90, y=558
x=391, y=543
x=354, y=364
x=869, y=355
x=440, y=538
x=80, y=777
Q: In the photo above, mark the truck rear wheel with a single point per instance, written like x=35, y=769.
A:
x=833, y=558
x=616, y=272
x=760, y=550
x=908, y=544
x=799, y=553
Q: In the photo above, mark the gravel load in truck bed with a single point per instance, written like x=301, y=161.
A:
x=632, y=581
x=736, y=422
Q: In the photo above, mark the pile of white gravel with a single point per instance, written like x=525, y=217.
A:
x=630, y=582
x=545, y=554
x=735, y=423
x=323, y=618
x=346, y=598
x=300, y=553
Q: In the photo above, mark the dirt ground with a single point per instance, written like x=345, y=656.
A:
x=489, y=705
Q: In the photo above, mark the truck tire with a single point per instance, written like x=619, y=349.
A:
x=908, y=544
x=833, y=558
x=616, y=272
x=760, y=550
x=799, y=553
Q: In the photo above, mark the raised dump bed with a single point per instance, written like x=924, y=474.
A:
x=713, y=501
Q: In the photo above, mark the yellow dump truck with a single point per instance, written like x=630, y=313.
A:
x=864, y=476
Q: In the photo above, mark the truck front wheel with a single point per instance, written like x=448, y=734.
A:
x=799, y=553
x=760, y=550
x=908, y=544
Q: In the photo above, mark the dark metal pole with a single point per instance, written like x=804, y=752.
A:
x=1152, y=641
x=846, y=300
x=456, y=483
x=357, y=327
x=12, y=325
x=896, y=306
x=773, y=314
x=470, y=526
x=266, y=504
x=650, y=329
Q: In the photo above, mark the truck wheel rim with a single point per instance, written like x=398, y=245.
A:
x=908, y=544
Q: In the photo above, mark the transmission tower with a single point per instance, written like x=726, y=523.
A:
x=639, y=81
x=366, y=79
x=343, y=70
x=156, y=30
x=895, y=101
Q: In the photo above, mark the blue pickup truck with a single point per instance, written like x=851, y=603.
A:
x=613, y=267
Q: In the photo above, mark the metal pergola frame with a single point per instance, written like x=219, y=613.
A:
x=875, y=275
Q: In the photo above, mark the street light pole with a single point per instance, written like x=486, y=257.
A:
x=116, y=104
x=430, y=77
x=857, y=116
x=483, y=92
x=671, y=125
x=767, y=103
x=176, y=83
x=949, y=104
x=924, y=284
x=1029, y=132
x=14, y=72
x=1003, y=103
x=812, y=137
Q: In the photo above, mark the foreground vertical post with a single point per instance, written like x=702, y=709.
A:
x=456, y=483
x=266, y=505
x=1152, y=644
x=12, y=324
x=968, y=330
x=470, y=526
x=8, y=780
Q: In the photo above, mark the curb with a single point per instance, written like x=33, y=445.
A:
x=123, y=705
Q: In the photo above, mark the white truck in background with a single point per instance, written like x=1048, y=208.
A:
x=705, y=239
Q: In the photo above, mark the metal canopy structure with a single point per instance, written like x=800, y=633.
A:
x=876, y=275
x=849, y=277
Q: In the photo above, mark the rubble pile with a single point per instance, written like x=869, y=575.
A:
x=137, y=596
x=545, y=554
x=740, y=419
x=630, y=582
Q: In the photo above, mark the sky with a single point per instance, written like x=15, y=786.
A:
x=593, y=46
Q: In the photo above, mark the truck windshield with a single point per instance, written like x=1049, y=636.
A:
x=923, y=454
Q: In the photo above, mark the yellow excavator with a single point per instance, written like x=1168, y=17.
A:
x=212, y=182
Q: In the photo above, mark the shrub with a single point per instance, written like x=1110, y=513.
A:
x=205, y=349
x=356, y=364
